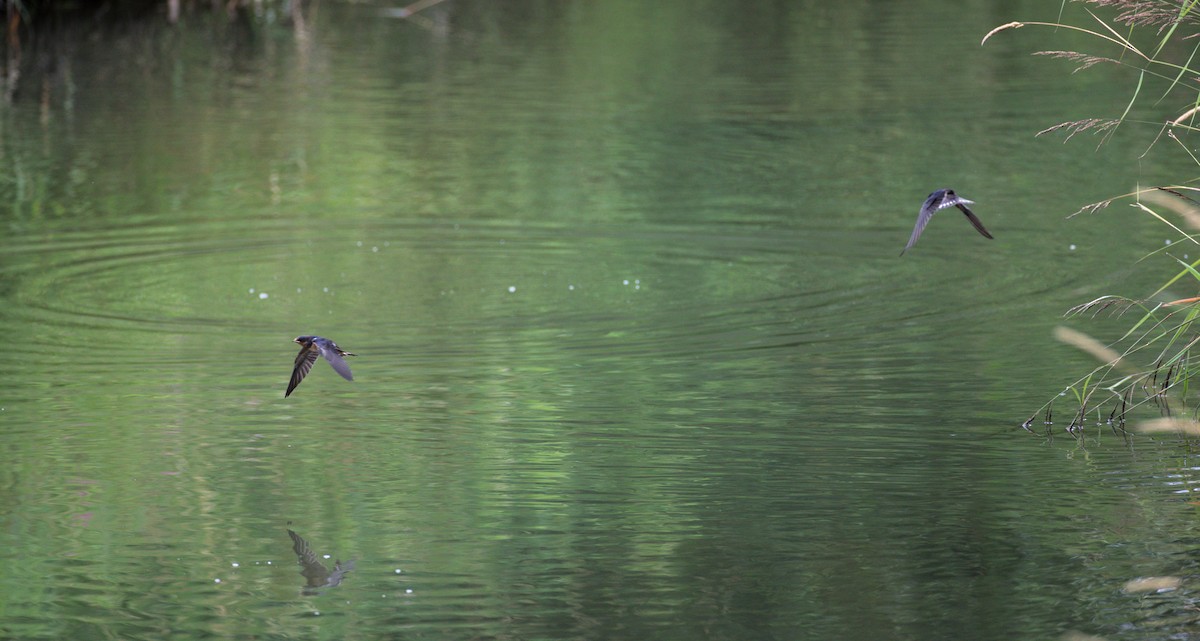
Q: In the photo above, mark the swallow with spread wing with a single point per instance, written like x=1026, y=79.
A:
x=938, y=200
x=310, y=348
x=315, y=574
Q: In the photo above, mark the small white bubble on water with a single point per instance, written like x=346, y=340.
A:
x=263, y=296
x=571, y=287
x=512, y=289
x=216, y=580
x=625, y=282
x=397, y=570
x=251, y=290
x=1072, y=246
x=325, y=289
x=375, y=249
x=235, y=564
x=408, y=591
x=359, y=243
x=325, y=556
x=1167, y=241
x=297, y=290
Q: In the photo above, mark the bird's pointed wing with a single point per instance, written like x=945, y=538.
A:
x=335, y=359
x=312, y=569
x=923, y=218
x=974, y=220
x=304, y=363
x=304, y=551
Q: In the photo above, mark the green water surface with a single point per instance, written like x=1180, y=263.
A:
x=636, y=355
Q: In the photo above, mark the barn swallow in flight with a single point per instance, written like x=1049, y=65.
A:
x=315, y=574
x=942, y=199
x=310, y=347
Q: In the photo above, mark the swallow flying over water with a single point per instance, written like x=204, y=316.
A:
x=310, y=348
x=315, y=574
x=942, y=199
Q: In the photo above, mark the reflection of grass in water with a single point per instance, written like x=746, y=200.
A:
x=1153, y=363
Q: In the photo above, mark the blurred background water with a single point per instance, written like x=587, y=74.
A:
x=637, y=357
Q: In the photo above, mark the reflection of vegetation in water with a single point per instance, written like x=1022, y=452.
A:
x=1152, y=363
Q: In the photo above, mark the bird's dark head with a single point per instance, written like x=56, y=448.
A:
x=303, y=340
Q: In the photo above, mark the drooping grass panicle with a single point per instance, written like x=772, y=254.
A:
x=1093, y=208
x=1177, y=192
x=1149, y=13
x=1115, y=305
x=1085, y=60
x=1073, y=127
x=1003, y=27
x=1111, y=36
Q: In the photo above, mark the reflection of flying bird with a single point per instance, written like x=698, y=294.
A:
x=942, y=199
x=310, y=348
x=314, y=572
